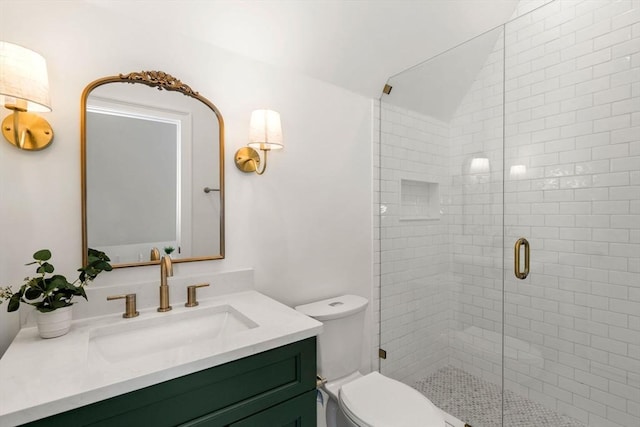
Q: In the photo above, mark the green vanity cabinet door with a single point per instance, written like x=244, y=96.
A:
x=297, y=412
x=215, y=397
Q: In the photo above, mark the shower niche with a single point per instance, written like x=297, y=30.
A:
x=419, y=200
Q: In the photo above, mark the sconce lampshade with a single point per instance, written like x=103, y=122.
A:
x=518, y=171
x=480, y=165
x=24, y=84
x=265, y=130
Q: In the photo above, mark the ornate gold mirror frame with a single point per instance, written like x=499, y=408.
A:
x=161, y=81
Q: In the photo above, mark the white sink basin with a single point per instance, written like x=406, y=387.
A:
x=170, y=334
x=108, y=356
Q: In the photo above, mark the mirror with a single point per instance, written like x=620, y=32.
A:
x=152, y=170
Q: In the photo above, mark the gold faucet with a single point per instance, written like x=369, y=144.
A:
x=166, y=270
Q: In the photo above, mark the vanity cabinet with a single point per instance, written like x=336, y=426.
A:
x=270, y=389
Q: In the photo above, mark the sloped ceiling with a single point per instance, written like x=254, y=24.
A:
x=354, y=44
x=437, y=86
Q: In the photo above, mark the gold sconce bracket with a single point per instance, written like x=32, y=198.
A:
x=27, y=131
x=247, y=159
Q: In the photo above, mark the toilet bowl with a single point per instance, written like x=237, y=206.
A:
x=357, y=400
x=376, y=400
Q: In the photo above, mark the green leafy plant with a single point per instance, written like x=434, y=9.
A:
x=169, y=249
x=47, y=292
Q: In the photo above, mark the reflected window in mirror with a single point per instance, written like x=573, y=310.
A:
x=152, y=168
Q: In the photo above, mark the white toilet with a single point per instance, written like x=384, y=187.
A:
x=357, y=400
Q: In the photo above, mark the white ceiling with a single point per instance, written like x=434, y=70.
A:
x=354, y=44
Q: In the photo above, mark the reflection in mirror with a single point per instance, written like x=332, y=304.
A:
x=153, y=178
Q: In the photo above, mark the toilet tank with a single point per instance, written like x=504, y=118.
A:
x=340, y=343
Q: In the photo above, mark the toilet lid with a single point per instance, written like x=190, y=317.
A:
x=375, y=400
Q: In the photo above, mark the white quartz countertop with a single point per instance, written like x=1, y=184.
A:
x=39, y=377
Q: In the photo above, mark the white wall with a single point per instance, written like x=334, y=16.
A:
x=304, y=226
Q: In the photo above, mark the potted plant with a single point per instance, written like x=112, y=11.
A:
x=52, y=294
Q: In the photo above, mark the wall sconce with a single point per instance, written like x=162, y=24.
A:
x=265, y=134
x=24, y=86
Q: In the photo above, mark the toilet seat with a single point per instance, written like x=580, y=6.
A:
x=375, y=400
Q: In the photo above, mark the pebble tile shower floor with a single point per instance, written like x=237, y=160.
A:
x=478, y=402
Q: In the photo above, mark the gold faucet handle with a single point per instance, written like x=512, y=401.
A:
x=130, y=304
x=191, y=294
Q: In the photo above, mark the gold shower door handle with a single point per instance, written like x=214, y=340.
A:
x=516, y=259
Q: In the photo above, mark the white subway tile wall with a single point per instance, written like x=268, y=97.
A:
x=415, y=313
x=570, y=156
x=577, y=309
x=476, y=217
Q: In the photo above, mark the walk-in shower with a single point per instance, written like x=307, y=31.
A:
x=528, y=133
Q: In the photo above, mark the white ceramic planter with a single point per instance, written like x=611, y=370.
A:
x=54, y=323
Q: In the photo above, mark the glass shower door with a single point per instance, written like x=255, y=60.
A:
x=572, y=174
x=440, y=227
x=509, y=221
